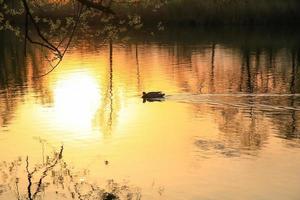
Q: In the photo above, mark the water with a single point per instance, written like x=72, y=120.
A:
x=228, y=128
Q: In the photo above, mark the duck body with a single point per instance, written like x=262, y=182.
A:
x=153, y=95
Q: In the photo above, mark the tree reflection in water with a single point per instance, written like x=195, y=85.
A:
x=258, y=64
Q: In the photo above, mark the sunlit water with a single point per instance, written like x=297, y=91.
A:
x=228, y=128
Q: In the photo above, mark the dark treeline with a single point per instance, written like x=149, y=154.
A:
x=228, y=12
x=253, y=38
x=194, y=12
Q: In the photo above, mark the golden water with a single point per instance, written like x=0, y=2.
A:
x=228, y=128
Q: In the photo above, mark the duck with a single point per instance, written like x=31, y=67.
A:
x=153, y=95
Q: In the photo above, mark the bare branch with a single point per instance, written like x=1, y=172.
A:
x=66, y=48
x=45, y=172
x=29, y=176
x=48, y=44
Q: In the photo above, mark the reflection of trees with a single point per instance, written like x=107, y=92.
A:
x=257, y=68
x=15, y=76
x=56, y=179
x=137, y=69
x=293, y=91
x=110, y=120
x=289, y=126
x=111, y=102
x=248, y=129
x=242, y=131
x=246, y=125
x=246, y=72
x=212, y=72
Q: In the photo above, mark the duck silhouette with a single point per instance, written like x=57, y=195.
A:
x=153, y=96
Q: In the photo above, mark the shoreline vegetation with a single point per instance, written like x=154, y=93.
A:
x=229, y=12
x=191, y=13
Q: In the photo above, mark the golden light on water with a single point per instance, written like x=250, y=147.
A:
x=76, y=100
x=187, y=142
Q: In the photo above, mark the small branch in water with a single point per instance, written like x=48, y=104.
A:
x=45, y=172
x=17, y=188
x=31, y=195
x=29, y=176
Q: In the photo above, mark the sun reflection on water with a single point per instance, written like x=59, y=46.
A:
x=76, y=100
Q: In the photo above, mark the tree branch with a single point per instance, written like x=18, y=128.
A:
x=45, y=172
x=67, y=46
x=48, y=44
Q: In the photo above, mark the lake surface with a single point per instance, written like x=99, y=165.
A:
x=229, y=127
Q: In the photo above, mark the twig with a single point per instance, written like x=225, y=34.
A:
x=29, y=176
x=48, y=44
x=45, y=172
x=67, y=46
x=17, y=188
